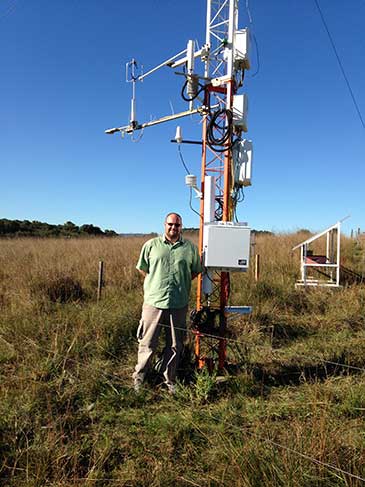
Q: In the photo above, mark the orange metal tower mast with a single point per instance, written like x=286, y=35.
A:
x=222, y=68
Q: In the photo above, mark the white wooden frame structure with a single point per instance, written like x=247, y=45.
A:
x=329, y=263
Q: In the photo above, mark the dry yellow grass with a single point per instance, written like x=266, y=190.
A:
x=26, y=262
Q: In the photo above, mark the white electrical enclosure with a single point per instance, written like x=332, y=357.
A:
x=240, y=110
x=242, y=47
x=227, y=246
x=242, y=151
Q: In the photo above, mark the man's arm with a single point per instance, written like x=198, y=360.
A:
x=142, y=264
x=197, y=267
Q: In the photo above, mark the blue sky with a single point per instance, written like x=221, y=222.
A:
x=62, y=84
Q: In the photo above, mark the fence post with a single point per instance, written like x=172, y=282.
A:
x=257, y=267
x=100, y=279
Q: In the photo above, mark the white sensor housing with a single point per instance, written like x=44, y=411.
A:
x=241, y=56
x=242, y=152
x=240, y=111
x=190, y=181
x=178, y=135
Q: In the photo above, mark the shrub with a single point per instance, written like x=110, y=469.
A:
x=61, y=289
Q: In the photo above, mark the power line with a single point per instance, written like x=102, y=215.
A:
x=216, y=337
x=272, y=351
x=291, y=450
x=9, y=9
x=340, y=64
x=255, y=435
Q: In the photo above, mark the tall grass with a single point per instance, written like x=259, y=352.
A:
x=68, y=416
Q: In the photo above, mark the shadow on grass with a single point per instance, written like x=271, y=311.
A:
x=293, y=375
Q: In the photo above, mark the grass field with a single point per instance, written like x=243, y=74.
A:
x=289, y=412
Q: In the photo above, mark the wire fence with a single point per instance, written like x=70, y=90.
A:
x=274, y=353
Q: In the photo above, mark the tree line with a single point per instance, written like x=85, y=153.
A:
x=26, y=228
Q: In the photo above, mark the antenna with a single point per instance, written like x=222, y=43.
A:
x=131, y=70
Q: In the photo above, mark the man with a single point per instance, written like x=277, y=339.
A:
x=168, y=264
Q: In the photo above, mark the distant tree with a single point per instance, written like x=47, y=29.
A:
x=25, y=228
x=8, y=226
x=110, y=233
x=262, y=232
x=70, y=228
x=91, y=229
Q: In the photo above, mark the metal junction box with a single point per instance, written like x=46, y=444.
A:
x=227, y=246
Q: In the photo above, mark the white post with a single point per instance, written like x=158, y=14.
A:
x=207, y=36
x=338, y=254
x=231, y=30
x=209, y=203
x=304, y=264
x=190, y=71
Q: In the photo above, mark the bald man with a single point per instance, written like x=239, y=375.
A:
x=168, y=263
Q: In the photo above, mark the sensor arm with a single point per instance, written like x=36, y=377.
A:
x=165, y=63
x=128, y=129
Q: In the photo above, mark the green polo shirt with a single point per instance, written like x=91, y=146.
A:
x=169, y=269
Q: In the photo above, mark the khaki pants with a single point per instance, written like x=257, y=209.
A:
x=153, y=320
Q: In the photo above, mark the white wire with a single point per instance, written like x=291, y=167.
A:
x=304, y=455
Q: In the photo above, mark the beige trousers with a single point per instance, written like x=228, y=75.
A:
x=153, y=320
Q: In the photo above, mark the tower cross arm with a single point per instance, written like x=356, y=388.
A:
x=128, y=129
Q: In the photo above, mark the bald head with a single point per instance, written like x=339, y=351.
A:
x=174, y=214
x=173, y=227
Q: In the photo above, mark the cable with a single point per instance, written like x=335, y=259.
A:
x=248, y=12
x=209, y=335
x=287, y=448
x=225, y=130
x=138, y=138
x=187, y=172
x=190, y=205
x=182, y=159
x=9, y=10
x=340, y=63
x=202, y=87
x=253, y=37
x=254, y=435
x=257, y=57
x=272, y=351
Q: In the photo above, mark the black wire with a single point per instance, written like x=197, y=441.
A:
x=340, y=64
x=188, y=172
x=213, y=125
x=257, y=57
x=242, y=196
x=252, y=36
x=202, y=87
x=182, y=159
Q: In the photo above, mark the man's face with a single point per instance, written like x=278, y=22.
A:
x=173, y=227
